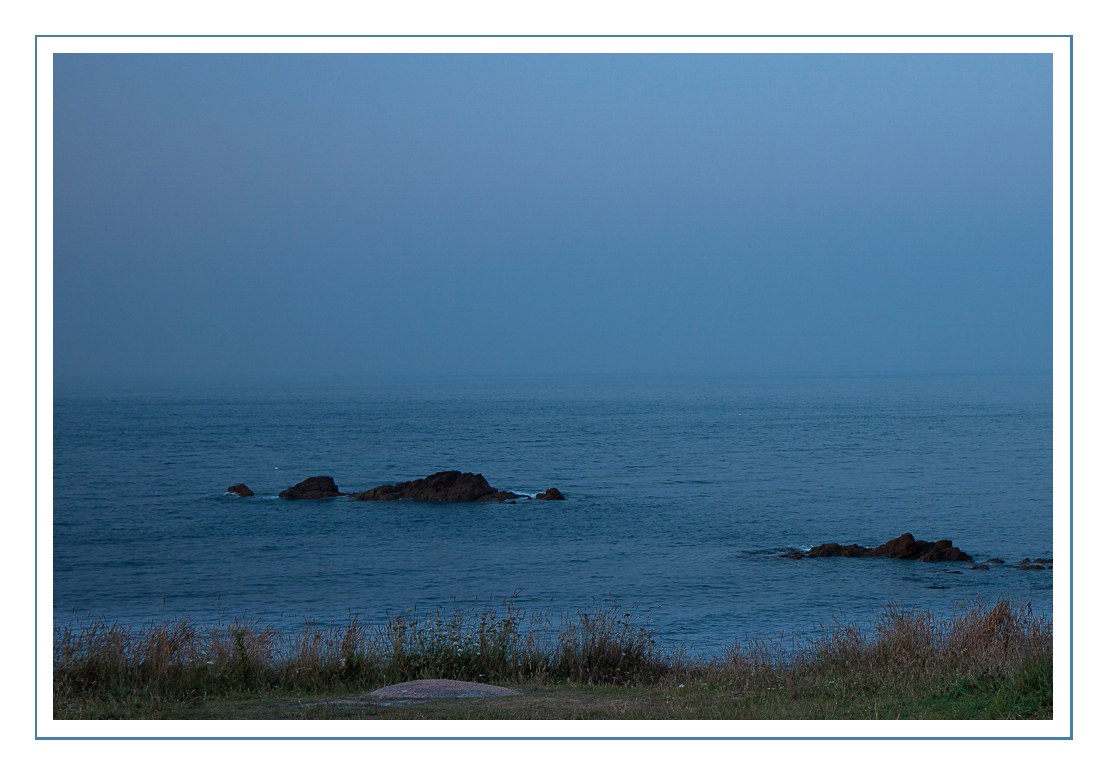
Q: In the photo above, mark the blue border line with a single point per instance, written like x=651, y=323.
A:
x=36, y=387
x=509, y=35
x=553, y=738
x=1071, y=386
x=1071, y=438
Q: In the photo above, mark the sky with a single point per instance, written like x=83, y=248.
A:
x=404, y=214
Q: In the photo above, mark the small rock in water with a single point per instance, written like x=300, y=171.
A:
x=792, y=555
x=904, y=547
x=241, y=489
x=995, y=560
x=312, y=488
x=504, y=495
x=980, y=567
x=551, y=494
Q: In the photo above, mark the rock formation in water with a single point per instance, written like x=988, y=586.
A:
x=241, y=489
x=904, y=547
x=451, y=486
x=312, y=488
x=550, y=494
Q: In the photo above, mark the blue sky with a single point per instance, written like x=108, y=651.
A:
x=265, y=215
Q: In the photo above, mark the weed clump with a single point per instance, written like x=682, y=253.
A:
x=904, y=657
x=180, y=659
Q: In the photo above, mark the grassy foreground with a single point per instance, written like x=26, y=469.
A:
x=987, y=661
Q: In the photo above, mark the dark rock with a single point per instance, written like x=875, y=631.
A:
x=451, y=486
x=1042, y=560
x=904, y=547
x=980, y=567
x=312, y=488
x=1030, y=567
x=833, y=550
x=792, y=555
x=943, y=551
x=551, y=494
x=241, y=489
x=995, y=560
x=503, y=495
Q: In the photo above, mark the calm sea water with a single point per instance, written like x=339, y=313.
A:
x=681, y=493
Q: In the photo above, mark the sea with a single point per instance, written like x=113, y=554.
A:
x=681, y=495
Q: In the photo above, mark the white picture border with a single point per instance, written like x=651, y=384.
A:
x=1059, y=727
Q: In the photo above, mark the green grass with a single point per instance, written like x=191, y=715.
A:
x=1025, y=694
x=984, y=662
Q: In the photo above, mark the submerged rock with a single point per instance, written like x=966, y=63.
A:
x=995, y=560
x=904, y=547
x=241, y=489
x=551, y=494
x=792, y=555
x=505, y=495
x=312, y=488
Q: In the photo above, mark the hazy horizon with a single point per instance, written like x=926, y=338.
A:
x=256, y=216
x=162, y=381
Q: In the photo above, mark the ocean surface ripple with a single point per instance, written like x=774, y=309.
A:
x=681, y=493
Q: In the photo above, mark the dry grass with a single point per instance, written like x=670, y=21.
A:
x=907, y=661
x=905, y=654
x=180, y=659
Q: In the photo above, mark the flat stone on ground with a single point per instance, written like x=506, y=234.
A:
x=440, y=688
